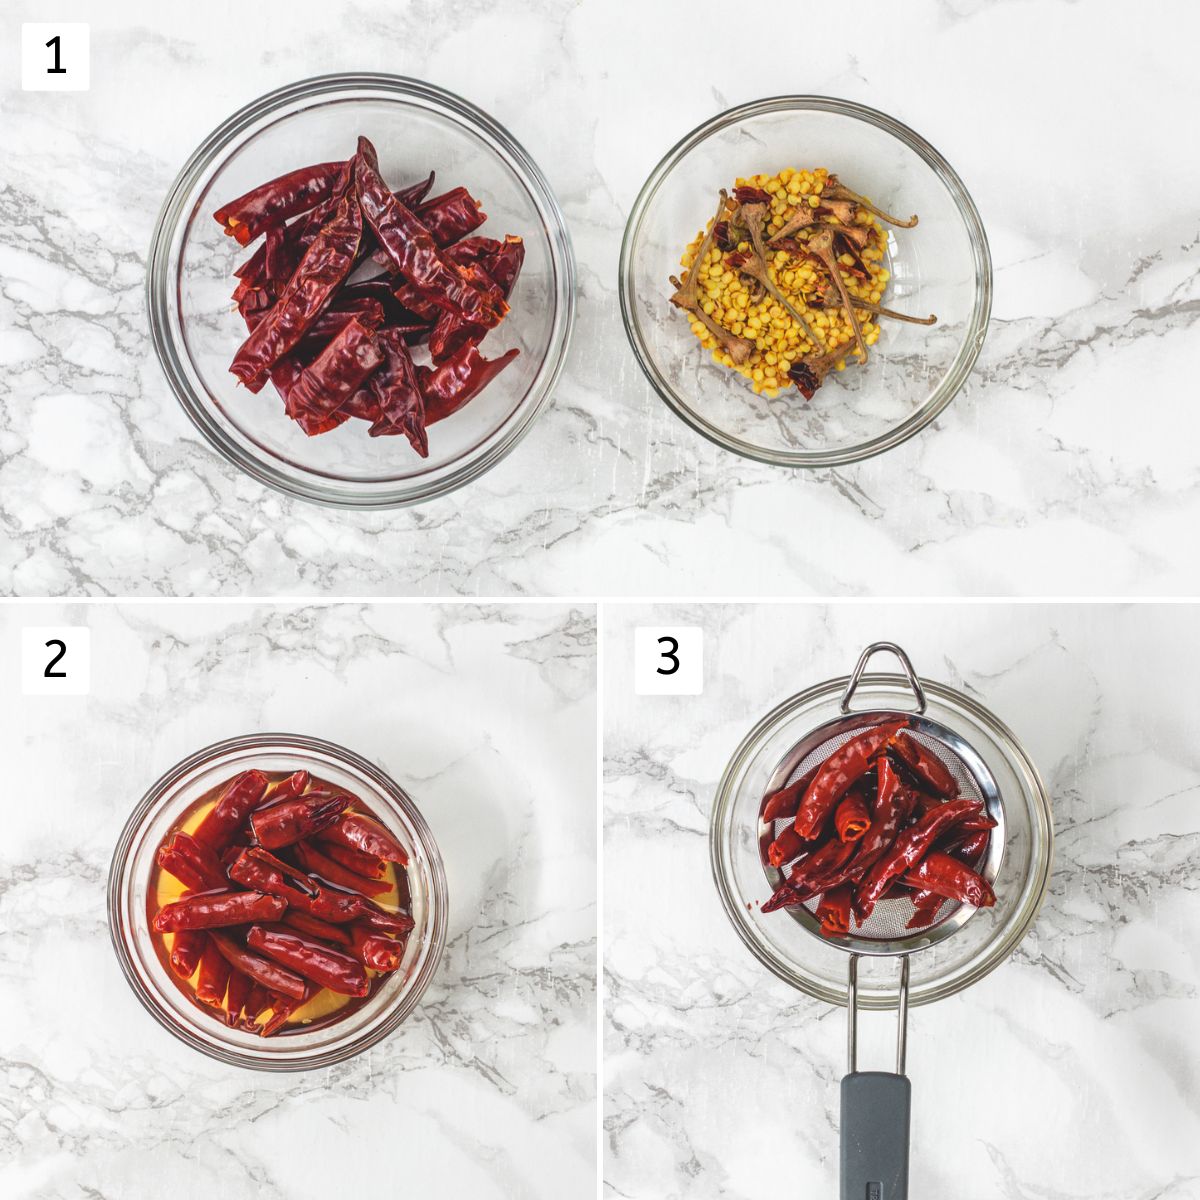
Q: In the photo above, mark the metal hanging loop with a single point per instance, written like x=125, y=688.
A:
x=874, y=648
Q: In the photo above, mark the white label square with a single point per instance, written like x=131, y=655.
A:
x=668, y=660
x=56, y=660
x=56, y=56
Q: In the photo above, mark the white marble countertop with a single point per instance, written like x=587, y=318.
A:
x=487, y=717
x=1062, y=468
x=1070, y=1071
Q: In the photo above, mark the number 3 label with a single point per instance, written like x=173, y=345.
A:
x=668, y=660
x=56, y=660
x=55, y=56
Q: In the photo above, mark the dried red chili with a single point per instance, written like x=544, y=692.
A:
x=317, y=930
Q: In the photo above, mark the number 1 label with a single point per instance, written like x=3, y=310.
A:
x=55, y=56
x=56, y=660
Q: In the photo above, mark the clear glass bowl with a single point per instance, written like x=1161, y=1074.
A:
x=416, y=128
x=942, y=965
x=133, y=865
x=941, y=266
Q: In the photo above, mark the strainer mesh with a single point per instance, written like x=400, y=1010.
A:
x=889, y=921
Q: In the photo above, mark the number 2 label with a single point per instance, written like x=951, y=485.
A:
x=56, y=660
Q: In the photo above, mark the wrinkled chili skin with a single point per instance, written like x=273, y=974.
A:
x=451, y=216
x=292, y=821
x=315, y=927
x=336, y=373
x=212, y=910
x=193, y=863
x=276, y=201
x=946, y=876
x=360, y=832
x=823, y=868
x=226, y=817
x=447, y=387
x=413, y=252
x=893, y=806
x=839, y=772
x=261, y=970
x=325, y=265
x=323, y=965
x=929, y=770
x=907, y=850
x=378, y=953
x=398, y=406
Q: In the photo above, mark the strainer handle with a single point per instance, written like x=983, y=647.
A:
x=874, y=648
x=876, y=1106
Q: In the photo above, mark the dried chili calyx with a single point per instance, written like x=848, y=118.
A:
x=338, y=345
x=274, y=928
x=797, y=292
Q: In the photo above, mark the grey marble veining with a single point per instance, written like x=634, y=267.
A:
x=1070, y=1071
x=1064, y=466
x=487, y=717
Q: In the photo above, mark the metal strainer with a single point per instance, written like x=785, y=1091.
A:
x=990, y=767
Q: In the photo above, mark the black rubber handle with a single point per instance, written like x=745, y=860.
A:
x=875, y=1117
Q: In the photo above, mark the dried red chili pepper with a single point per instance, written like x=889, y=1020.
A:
x=322, y=964
x=291, y=821
x=193, y=863
x=785, y=803
x=929, y=770
x=261, y=970
x=397, y=403
x=274, y=202
x=785, y=847
x=360, y=832
x=925, y=909
x=384, y=921
x=843, y=768
x=908, y=849
x=336, y=373
x=283, y=1008
x=372, y=950
x=447, y=387
x=186, y=950
x=236, y=995
x=967, y=845
x=325, y=265
x=315, y=927
x=324, y=903
x=451, y=216
x=369, y=865
x=326, y=868
x=294, y=785
x=822, y=868
x=834, y=911
x=946, y=876
x=237, y=802
x=893, y=806
x=256, y=1004
x=214, y=976
x=413, y=252
x=850, y=818
x=213, y=910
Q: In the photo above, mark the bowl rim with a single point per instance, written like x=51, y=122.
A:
x=972, y=343
x=160, y=292
x=118, y=880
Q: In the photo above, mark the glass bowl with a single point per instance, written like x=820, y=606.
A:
x=940, y=965
x=941, y=266
x=133, y=866
x=196, y=330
